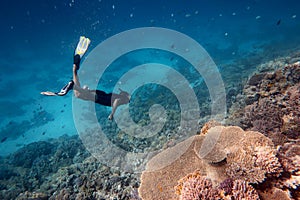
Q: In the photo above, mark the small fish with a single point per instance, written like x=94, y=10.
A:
x=278, y=22
x=3, y=139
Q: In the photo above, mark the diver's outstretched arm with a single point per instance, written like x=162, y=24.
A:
x=77, y=87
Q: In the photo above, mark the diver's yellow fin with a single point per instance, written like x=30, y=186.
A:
x=82, y=46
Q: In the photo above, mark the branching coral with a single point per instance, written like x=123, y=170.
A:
x=242, y=190
x=226, y=186
x=289, y=156
x=196, y=187
x=286, y=186
x=266, y=158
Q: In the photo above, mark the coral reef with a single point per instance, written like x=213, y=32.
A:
x=209, y=125
x=273, y=103
x=197, y=187
x=220, y=162
x=271, y=106
x=242, y=190
x=288, y=184
x=13, y=129
x=248, y=156
x=194, y=186
x=158, y=182
x=61, y=169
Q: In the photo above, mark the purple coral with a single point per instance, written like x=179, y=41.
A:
x=226, y=186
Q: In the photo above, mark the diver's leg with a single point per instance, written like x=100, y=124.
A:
x=76, y=64
x=77, y=87
x=75, y=80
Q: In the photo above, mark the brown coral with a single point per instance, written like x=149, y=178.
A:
x=209, y=125
x=275, y=194
x=287, y=185
x=267, y=160
x=159, y=180
x=32, y=195
x=275, y=110
x=250, y=155
x=289, y=156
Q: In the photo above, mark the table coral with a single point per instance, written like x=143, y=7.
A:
x=249, y=157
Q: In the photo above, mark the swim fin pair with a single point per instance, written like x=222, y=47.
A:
x=82, y=46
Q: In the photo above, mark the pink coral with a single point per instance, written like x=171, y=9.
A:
x=196, y=187
x=242, y=190
x=267, y=160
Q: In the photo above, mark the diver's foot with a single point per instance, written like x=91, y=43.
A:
x=66, y=88
x=110, y=117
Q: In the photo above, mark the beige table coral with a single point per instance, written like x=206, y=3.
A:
x=245, y=156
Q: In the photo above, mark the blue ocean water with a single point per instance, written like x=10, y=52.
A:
x=38, y=40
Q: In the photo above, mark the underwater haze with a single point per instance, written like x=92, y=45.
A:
x=38, y=40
